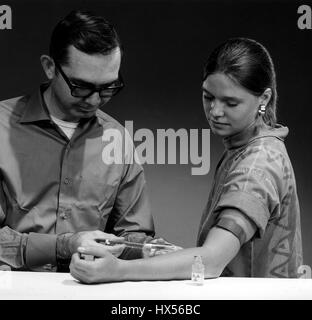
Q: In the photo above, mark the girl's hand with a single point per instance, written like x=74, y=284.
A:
x=104, y=268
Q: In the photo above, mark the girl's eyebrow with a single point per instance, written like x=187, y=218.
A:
x=224, y=98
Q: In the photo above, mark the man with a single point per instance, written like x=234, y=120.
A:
x=56, y=191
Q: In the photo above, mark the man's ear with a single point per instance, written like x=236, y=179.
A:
x=48, y=66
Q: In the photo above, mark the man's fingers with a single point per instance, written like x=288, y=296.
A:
x=100, y=250
x=96, y=250
x=116, y=250
x=160, y=241
x=99, y=235
x=164, y=242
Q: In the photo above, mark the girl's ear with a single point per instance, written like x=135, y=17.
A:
x=265, y=98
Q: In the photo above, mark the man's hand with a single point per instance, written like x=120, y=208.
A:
x=88, y=238
x=105, y=268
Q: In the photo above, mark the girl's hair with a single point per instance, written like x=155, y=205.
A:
x=248, y=63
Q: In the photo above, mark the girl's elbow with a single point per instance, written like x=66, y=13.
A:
x=213, y=271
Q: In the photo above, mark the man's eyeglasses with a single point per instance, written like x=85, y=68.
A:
x=105, y=91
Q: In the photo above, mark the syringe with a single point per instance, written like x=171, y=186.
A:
x=129, y=244
x=139, y=245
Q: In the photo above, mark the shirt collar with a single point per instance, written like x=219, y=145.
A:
x=36, y=109
x=255, y=130
x=243, y=137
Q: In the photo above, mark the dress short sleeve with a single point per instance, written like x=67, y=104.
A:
x=252, y=187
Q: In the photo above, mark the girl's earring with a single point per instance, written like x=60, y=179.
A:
x=261, y=110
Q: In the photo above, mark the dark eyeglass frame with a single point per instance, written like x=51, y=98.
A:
x=102, y=90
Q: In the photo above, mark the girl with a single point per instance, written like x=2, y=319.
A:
x=251, y=224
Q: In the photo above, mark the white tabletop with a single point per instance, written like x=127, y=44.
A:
x=44, y=285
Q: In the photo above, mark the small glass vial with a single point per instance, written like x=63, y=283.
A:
x=198, y=271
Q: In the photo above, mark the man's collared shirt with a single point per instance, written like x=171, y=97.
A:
x=52, y=185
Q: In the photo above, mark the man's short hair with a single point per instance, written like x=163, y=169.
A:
x=87, y=32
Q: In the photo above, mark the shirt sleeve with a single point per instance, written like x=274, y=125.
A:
x=237, y=223
x=40, y=249
x=19, y=250
x=12, y=245
x=131, y=215
x=252, y=188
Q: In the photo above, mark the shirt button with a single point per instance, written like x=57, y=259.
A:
x=47, y=267
x=63, y=215
x=67, y=181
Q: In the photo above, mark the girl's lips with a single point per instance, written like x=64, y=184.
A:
x=219, y=123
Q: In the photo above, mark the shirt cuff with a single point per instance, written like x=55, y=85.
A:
x=249, y=205
x=40, y=249
x=232, y=226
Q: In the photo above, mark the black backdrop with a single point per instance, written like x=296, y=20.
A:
x=166, y=44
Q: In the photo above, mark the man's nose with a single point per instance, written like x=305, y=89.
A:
x=217, y=109
x=94, y=99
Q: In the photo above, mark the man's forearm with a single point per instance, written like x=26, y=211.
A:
x=22, y=250
x=134, y=253
x=63, y=251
